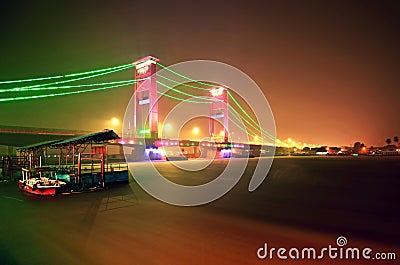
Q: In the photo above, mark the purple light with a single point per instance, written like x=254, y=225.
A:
x=153, y=150
x=226, y=151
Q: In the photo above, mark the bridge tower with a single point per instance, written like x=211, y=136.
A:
x=218, y=109
x=146, y=105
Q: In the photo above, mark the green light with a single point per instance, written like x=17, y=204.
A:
x=183, y=93
x=199, y=82
x=108, y=85
x=241, y=108
x=178, y=74
x=70, y=80
x=257, y=128
x=128, y=82
x=241, y=128
x=184, y=84
x=129, y=65
x=182, y=99
x=144, y=131
x=60, y=94
x=63, y=76
x=31, y=80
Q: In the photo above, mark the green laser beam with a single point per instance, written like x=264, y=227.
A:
x=60, y=94
x=71, y=86
x=183, y=76
x=262, y=131
x=182, y=99
x=71, y=80
x=62, y=76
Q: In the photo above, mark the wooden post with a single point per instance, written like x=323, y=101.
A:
x=30, y=161
x=73, y=156
x=79, y=167
x=102, y=169
x=59, y=156
x=2, y=166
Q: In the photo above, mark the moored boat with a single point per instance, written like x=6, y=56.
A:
x=34, y=183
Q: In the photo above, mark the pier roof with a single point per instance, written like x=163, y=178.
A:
x=98, y=137
x=38, y=145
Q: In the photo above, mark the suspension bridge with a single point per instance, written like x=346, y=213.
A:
x=227, y=109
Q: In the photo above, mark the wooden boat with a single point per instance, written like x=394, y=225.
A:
x=34, y=182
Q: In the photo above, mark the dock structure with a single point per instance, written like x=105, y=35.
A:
x=80, y=161
x=86, y=155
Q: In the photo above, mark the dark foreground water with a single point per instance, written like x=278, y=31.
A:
x=305, y=201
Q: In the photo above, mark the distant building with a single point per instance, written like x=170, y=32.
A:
x=282, y=151
x=345, y=150
x=391, y=149
x=308, y=151
x=333, y=150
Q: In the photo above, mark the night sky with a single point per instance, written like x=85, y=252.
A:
x=330, y=69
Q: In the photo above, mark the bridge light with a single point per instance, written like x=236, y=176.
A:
x=144, y=131
x=115, y=121
x=215, y=92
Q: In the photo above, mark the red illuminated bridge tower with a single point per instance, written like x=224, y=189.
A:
x=218, y=109
x=146, y=105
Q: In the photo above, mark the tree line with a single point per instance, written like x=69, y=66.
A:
x=395, y=139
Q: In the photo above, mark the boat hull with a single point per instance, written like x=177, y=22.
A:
x=39, y=190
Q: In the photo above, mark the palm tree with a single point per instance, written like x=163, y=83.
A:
x=396, y=139
x=388, y=141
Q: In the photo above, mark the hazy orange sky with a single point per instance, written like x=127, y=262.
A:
x=330, y=69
